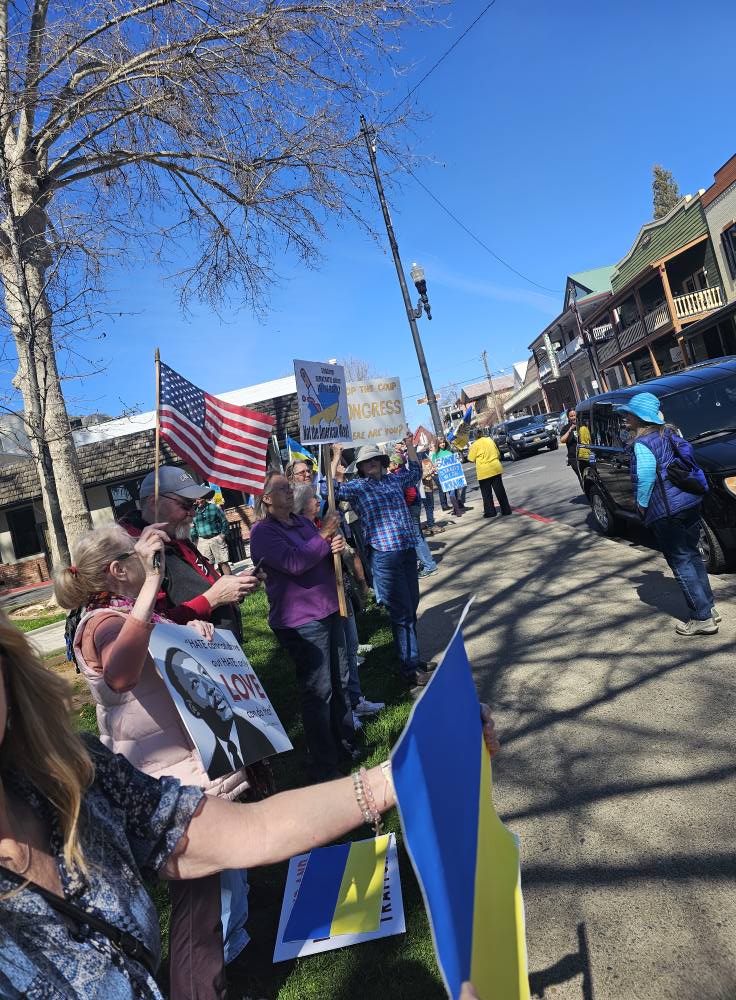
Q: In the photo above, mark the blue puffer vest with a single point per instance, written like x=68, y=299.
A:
x=666, y=498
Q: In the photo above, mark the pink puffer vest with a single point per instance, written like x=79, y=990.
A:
x=143, y=725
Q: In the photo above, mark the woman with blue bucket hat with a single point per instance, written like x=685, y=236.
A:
x=669, y=487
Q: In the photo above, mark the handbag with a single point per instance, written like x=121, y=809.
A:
x=681, y=472
x=120, y=940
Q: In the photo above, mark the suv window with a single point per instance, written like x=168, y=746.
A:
x=609, y=429
x=516, y=425
x=708, y=408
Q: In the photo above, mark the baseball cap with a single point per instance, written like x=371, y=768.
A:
x=173, y=480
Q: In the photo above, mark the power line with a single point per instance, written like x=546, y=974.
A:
x=441, y=59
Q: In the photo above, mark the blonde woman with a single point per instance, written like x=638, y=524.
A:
x=116, y=581
x=80, y=828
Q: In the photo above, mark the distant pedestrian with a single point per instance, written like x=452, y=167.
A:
x=209, y=533
x=413, y=499
x=669, y=486
x=442, y=450
x=489, y=470
x=569, y=437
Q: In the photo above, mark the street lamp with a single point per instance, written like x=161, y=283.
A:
x=420, y=283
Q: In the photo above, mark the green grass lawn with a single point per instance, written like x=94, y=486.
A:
x=28, y=624
x=401, y=967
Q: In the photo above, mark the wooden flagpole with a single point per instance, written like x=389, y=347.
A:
x=331, y=509
x=157, y=454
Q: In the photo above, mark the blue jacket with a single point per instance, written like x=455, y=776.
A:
x=652, y=488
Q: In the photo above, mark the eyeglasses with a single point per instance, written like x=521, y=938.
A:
x=184, y=504
x=124, y=555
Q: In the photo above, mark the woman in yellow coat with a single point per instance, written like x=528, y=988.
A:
x=488, y=468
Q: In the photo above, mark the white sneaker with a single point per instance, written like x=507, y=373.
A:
x=365, y=707
x=357, y=724
x=715, y=615
x=364, y=648
x=360, y=660
x=695, y=627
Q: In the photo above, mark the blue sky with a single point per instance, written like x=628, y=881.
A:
x=544, y=125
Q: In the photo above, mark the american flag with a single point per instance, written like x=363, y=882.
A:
x=225, y=443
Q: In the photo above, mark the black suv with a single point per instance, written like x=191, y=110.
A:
x=525, y=436
x=699, y=401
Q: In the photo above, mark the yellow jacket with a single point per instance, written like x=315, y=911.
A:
x=484, y=452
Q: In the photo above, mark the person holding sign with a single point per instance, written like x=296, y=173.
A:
x=390, y=538
x=116, y=582
x=305, y=618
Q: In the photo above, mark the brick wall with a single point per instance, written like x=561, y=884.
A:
x=20, y=574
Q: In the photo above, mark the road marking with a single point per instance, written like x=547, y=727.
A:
x=537, y=517
x=526, y=472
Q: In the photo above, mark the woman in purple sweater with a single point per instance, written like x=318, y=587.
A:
x=304, y=615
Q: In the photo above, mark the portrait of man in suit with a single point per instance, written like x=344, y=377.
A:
x=237, y=741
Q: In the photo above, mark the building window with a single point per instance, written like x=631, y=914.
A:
x=123, y=496
x=24, y=532
x=728, y=239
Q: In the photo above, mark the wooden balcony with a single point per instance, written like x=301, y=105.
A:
x=602, y=332
x=694, y=303
x=657, y=317
x=633, y=333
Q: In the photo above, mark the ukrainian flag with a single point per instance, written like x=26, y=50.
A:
x=466, y=861
x=297, y=452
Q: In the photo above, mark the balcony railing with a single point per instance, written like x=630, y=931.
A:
x=544, y=370
x=568, y=350
x=631, y=334
x=602, y=332
x=657, y=317
x=701, y=301
x=606, y=351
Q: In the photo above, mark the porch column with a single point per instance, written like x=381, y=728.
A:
x=673, y=313
x=655, y=366
x=626, y=374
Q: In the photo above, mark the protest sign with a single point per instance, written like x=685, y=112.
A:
x=323, y=407
x=376, y=410
x=450, y=473
x=338, y=896
x=218, y=696
x=466, y=861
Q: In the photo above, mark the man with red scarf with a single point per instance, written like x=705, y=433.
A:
x=192, y=587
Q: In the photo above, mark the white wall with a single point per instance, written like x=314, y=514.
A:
x=7, y=552
x=99, y=506
x=718, y=214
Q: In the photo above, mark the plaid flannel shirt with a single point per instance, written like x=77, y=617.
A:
x=384, y=515
x=208, y=522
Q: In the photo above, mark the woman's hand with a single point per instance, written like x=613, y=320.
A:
x=337, y=545
x=205, y=629
x=337, y=450
x=489, y=730
x=152, y=540
x=468, y=992
x=330, y=524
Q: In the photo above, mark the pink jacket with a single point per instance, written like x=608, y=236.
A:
x=144, y=726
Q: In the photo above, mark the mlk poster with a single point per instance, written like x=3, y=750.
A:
x=220, y=700
x=376, y=410
x=323, y=405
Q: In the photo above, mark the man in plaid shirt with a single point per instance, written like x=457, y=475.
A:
x=209, y=534
x=388, y=531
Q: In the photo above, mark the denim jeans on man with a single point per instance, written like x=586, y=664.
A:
x=319, y=654
x=396, y=573
x=422, y=546
x=678, y=538
x=351, y=644
x=234, y=907
x=428, y=504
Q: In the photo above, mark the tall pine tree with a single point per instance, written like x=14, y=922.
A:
x=665, y=192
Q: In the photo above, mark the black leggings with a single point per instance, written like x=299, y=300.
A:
x=489, y=486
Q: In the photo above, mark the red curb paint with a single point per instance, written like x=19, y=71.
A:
x=23, y=590
x=537, y=517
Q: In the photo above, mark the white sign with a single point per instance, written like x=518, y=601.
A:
x=218, y=696
x=323, y=406
x=376, y=410
x=391, y=918
x=450, y=473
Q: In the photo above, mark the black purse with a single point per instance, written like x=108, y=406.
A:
x=680, y=473
x=121, y=940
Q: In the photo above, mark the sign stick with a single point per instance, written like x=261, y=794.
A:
x=331, y=509
x=157, y=454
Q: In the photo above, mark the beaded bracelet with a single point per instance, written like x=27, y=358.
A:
x=361, y=799
x=377, y=821
x=366, y=801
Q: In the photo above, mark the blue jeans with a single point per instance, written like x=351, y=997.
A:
x=352, y=642
x=428, y=503
x=678, y=537
x=396, y=573
x=420, y=542
x=234, y=908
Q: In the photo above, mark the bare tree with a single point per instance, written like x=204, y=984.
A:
x=227, y=127
x=357, y=370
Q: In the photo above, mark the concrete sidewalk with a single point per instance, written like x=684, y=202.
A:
x=48, y=638
x=617, y=766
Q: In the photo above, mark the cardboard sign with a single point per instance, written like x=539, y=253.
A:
x=465, y=859
x=323, y=407
x=338, y=896
x=218, y=696
x=450, y=473
x=376, y=410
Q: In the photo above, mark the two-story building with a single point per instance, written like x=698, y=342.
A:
x=668, y=281
x=488, y=404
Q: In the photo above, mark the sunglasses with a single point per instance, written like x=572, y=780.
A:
x=184, y=504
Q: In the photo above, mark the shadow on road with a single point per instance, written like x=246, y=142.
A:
x=575, y=964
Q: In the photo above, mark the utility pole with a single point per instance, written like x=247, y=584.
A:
x=411, y=314
x=484, y=357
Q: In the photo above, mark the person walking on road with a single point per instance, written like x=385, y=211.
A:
x=569, y=437
x=209, y=533
x=390, y=537
x=489, y=470
x=668, y=486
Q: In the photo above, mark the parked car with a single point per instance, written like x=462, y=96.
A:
x=524, y=436
x=701, y=403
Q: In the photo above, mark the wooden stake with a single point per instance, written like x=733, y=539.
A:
x=331, y=509
x=157, y=456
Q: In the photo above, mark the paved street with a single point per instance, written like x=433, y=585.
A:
x=617, y=768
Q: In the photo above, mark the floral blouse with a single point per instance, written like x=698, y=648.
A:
x=129, y=826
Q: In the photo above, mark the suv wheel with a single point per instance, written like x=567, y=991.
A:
x=602, y=513
x=554, y=445
x=514, y=456
x=710, y=549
